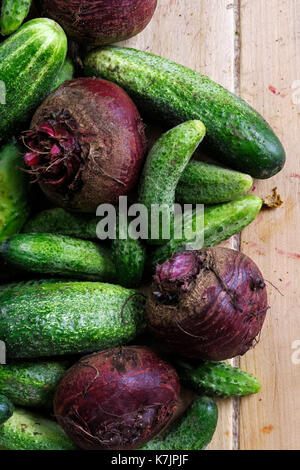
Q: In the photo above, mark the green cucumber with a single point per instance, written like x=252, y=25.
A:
x=48, y=318
x=14, y=208
x=30, y=431
x=61, y=222
x=31, y=383
x=58, y=254
x=66, y=73
x=236, y=133
x=204, y=183
x=13, y=13
x=164, y=166
x=30, y=60
x=220, y=223
x=218, y=379
x=6, y=409
x=194, y=430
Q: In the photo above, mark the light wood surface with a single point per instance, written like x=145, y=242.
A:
x=253, y=48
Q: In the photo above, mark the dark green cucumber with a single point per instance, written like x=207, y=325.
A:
x=220, y=223
x=192, y=431
x=164, y=166
x=236, y=133
x=66, y=73
x=49, y=318
x=13, y=13
x=30, y=431
x=30, y=60
x=204, y=183
x=6, y=409
x=14, y=208
x=58, y=254
x=31, y=383
x=218, y=379
x=62, y=222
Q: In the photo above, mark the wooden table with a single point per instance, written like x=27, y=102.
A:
x=252, y=47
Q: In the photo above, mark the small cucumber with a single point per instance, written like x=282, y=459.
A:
x=218, y=379
x=13, y=13
x=204, y=183
x=30, y=431
x=61, y=222
x=58, y=254
x=236, y=133
x=31, y=383
x=49, y=318
x=220, y=223
x=6, y=409
x=194, y=430
x=66, y=73
x=14, y=208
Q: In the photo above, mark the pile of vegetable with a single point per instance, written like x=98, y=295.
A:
x=73, y=141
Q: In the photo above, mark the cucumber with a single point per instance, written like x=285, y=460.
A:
x=58, y=254
x=204, y=183
x=30, y=60
x=30, y=431
x=6, y=409
x=220, y=223
x=66, y=73
x=48, y=318
x=192, y=431
x=236, y=133
x=218, y=379
x=14, y=208
x=31, y=383
x=164, y=166
x=60, y=221
x=13, y=13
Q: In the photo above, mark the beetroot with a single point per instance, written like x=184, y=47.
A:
x=99, y=22
x=117, y=399
x=86, y=144
x=208, y=304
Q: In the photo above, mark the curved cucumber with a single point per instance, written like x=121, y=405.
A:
x=192, y=431
x=58, y=254
x=30, y=60
x=31, y=383
x=13, y=13
x=49, y=318
x=220, y=223
x=30, y=431
x=66, y=73
x=204, y=183
x=6, y=409
x=236, y=133
x=218, y=379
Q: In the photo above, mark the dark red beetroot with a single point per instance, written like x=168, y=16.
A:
x=99, y=22
x=117, y=399
x=209, y=304
x=86, y=144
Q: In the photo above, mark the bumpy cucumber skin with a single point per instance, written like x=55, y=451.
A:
x=66, y=73
x=129, y=257
x=218, y=379
x=58, y=254
x=30, y=60
x=220, y=223
x=31, y=383
x=236, y=133
x=14, y=208
x=204, y=183
x=192, y=431
x=6, y=409
x=48, y=318
x=61, y=222
x=26, y=430
x=13, y=13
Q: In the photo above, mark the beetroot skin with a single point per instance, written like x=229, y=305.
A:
x=117, y=399
x=209, y=304
x=99, y=22
x=86, y=144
